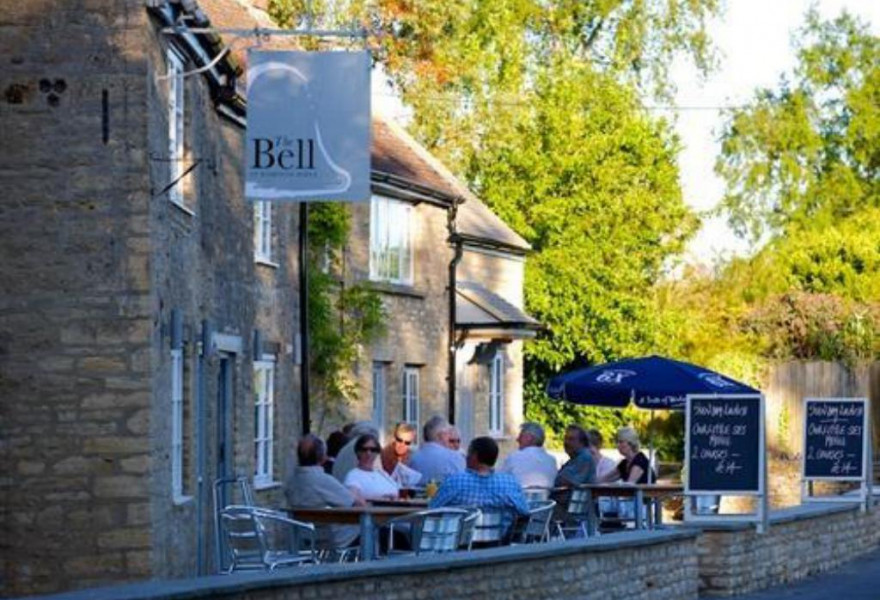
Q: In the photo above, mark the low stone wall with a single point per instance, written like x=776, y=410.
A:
x=659, y=565
x=801, y=541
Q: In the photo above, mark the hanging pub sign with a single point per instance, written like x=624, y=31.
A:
x=308, y=126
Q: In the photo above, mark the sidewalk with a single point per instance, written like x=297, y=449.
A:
x=856, y=580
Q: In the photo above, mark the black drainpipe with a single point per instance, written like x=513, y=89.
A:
x=455, y=239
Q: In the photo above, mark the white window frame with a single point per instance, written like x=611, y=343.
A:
x=410, y=395
x=390, y=224
x=496, y=394
x=263, y=231
x=264, y=421
x=176, y=117
x=380, y=391
x=177, y=422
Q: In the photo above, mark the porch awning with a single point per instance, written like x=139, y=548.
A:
x=481, y=313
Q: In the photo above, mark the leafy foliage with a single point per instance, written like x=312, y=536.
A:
x=341, y=319
x=808, y=153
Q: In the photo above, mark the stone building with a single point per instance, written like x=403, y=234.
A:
x=149, y=313
x=404, y=377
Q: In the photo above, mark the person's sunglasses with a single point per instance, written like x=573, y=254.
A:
x=407, y=442
x=454, y=441
x=372, y=449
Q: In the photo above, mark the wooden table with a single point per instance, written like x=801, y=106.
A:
x=653, y=492
x=368, y=517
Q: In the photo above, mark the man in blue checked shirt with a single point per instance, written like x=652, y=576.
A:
x=480, y=486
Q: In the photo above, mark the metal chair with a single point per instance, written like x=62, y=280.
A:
x=431, y=531
x=537, y=527
x=578, y=514
x=228, y=491
x=493, y=526
x=534, y=493
x=466, y=540
x=260, y=539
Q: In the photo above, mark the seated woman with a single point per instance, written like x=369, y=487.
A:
x=365, y=481
x=634, y=468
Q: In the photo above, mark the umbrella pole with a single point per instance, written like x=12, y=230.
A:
x=651, y=446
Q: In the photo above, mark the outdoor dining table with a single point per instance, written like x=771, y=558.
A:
x=652, y=492
x=368, y=517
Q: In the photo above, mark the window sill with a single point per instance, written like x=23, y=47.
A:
x=266, y=485
x=181, y=500
x=182, y=207
x=396, y=289
x=499, y=436
x=265, y=262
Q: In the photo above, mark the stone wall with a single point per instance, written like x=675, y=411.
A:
x=76, y=316
x=802, y=541
x=504, y=275
x=95, y=260
x=418, y=316
x=631, y=566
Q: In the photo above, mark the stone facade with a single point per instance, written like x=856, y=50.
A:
x=96, y=261
x=502, y=273
x=103, y=272
x=418, y=317
x=801, y=541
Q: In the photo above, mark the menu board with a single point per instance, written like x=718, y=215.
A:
x=834, y=438
x=724, y=444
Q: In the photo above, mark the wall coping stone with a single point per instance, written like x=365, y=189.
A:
x=214, y=585
x=792, y=514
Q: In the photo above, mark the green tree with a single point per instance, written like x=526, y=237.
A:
x=808, y=154
x=537, y=106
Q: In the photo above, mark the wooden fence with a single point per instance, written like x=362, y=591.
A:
x=787, y=384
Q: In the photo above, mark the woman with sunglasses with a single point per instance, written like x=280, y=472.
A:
x=366, y=481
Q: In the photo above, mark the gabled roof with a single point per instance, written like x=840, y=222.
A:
x=479, y=310
x=397, y=159
x=396, y=152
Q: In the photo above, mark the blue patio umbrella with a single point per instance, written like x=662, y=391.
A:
x=651, y=382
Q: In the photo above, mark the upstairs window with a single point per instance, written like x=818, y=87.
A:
x=263, y=231
x=175, y=126
x=391, y=241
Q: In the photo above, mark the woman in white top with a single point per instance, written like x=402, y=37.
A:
x=366, y=481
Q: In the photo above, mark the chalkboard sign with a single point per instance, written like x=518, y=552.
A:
x=724, y=445
x=834, y=438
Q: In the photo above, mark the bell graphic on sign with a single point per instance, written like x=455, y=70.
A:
x=287, y=156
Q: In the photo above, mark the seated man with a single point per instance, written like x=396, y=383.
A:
x=531, y=464
x=434, y=460
x=580, y=467
x=309, y=486
x=481, y=487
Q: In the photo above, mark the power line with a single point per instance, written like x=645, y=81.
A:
x=651, y=107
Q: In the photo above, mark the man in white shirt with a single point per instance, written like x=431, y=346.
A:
x=309, y=486
x=531, y=465
x=434, y=460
